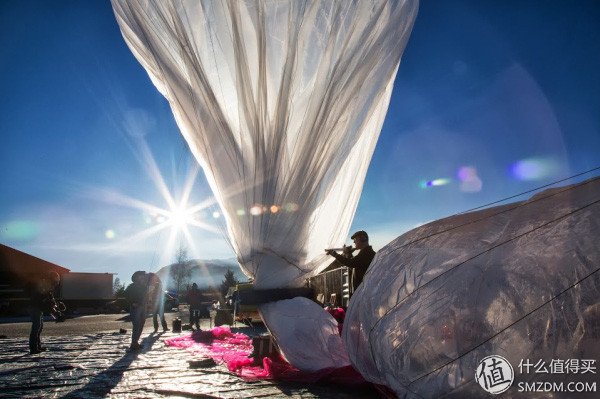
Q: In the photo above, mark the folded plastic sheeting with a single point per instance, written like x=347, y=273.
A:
x=520, y=281
x=309, y=334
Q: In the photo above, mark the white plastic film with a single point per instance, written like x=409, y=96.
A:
x=309, y=333
x=281, y=103
x=520, y=281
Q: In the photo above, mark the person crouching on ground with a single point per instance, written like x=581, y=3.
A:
x=41, y=294
x=136, y=295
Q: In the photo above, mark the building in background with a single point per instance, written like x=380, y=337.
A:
x=81, y=292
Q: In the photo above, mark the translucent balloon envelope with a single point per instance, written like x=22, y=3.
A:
x=281, y=102
x=520, y=281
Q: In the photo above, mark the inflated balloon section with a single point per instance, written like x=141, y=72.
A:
x=519, y=281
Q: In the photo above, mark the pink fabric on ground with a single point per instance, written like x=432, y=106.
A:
x=233, y=349
x=339, y=315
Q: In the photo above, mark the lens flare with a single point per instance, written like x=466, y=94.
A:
x=435, y=182
x=291, y=207
x=533, y=169
x=256, y=210
x=469, y=181
x=110, y=234
x=20, y=230
x=466, y=173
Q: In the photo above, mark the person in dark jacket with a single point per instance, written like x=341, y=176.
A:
x=41, y=293
x=360, y=263
x=197, y=306
x=156, y=300
x=136, y=296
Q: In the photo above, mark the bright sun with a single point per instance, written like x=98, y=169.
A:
x=179, y=217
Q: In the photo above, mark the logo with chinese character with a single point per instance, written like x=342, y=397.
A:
x=495, y=374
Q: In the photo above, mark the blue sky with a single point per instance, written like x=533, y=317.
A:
x=491, y=99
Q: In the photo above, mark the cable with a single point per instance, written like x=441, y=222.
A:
x=519, y=205
x=475, y=256
x=530, y=191
x=488, y=250
x=510, y=325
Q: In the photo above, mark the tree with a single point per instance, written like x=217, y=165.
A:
x=180, y=273
x=118, y=288
x=230, y=281
x=212, y=289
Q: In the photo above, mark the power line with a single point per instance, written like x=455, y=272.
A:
x=489, y=249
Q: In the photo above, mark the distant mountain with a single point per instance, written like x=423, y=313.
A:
x=205, y=272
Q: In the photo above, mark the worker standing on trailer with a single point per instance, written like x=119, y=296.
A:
x=360, y=263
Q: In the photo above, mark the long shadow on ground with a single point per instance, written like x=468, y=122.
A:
x=102, y=384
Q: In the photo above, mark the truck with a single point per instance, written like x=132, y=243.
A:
x=85, y=292
x=81, y=292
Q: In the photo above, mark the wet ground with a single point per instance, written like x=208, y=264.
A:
x=99, y=365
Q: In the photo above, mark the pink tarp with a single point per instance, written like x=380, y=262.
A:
x=233, y=349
